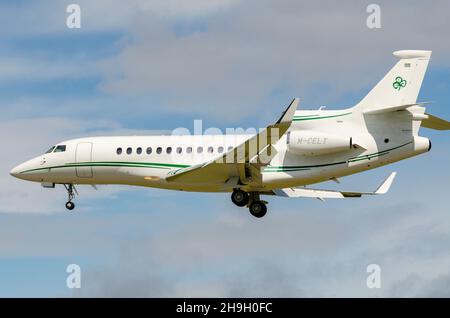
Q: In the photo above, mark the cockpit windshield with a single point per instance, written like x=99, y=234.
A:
x=50, y=150
x=60, y=148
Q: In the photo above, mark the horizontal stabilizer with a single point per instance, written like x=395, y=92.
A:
x=330, y=194
x=436, y=123
x=386, y=109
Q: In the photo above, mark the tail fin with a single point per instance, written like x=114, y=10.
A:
x=401, y=84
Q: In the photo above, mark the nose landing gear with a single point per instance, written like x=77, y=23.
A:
x=256, y=207
x=70, y=205
x=71, y=191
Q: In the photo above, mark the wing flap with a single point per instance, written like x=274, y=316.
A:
x=308, y=193
x=212, y=173
x=331, y=194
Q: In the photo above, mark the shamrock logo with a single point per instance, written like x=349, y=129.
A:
x=399, y=83
x=173, y=172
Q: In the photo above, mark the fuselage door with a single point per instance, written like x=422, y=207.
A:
x=84, y=156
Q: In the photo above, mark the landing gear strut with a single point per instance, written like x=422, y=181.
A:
x=71, y=191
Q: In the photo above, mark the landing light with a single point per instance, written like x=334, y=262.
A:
x=152, y=178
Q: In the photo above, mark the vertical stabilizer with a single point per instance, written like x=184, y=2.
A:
x=401, y=84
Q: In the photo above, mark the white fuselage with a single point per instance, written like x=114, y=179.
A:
x=375, y=140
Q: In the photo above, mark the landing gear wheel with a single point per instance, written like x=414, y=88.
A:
x=70, y=205
x=258, y=209
x=239, y=197
x=71, y=191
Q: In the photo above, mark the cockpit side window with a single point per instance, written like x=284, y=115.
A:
x=50, y=150
x=60, y=148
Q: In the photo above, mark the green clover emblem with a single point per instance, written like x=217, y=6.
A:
x=399, y=83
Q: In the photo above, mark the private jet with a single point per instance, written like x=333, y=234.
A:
x=303, y=147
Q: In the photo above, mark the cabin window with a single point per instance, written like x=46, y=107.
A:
x=189, y=149
x=179, y=150
x=50, y=150
x=149, y=150
x=60, y=148
x=220, y=149
x=139, y=150
x=210, y=149
x=169, y=150
x=119, y=151
x=158, y=150
x=230, y=148
x=199, y=149
x=129, y=150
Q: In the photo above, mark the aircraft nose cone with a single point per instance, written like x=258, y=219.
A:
x=14, y=172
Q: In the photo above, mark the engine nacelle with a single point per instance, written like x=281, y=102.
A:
x=312, y=143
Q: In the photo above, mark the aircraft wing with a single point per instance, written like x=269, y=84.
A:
x=241, y=164
x=328, y=194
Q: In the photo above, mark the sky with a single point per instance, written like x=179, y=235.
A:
x=146, y=67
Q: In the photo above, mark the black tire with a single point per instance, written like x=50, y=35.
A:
x=258, y=209
x=70, y=206
x=239, y=197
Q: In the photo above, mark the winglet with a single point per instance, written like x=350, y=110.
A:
x=288, y=114
x=384, y=188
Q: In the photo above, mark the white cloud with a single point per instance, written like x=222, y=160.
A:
x=48, y=17
x=231, y=67
x=231, y=59
x=289, y=254
x=185, y=7
x=42, y=69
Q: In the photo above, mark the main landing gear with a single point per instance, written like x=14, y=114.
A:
x=256, y=207
x=71, y=191
x=240, y=198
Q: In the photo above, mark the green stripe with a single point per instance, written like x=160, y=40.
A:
x=353, y=159
x=283, y=169
x=114, y=164
x=368, y=157
x=171, y=165
x=381, y=152
x=302, y=118
x=156, y=165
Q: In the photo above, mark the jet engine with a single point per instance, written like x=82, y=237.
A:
x=311, y=143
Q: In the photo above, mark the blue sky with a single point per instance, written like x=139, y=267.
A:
x=159, y=65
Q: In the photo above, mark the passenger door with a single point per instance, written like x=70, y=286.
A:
x=83, y=156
